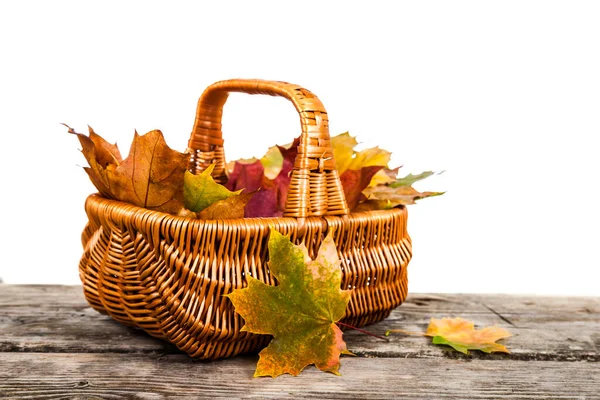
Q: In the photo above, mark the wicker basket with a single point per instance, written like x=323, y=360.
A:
x=167, y=274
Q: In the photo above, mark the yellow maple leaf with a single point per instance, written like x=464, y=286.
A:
x=343, y=151
x=462, y=335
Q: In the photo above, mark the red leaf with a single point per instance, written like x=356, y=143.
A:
x=263, y=204
x=354, y=181
x=282, y=181
x=246, y=176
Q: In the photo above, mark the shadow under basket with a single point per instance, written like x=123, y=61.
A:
x=167, y=275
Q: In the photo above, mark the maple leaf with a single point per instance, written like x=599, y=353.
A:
x=263, y=204
x=371, y=205
x=106, y=153
x=395, y=196
x=151, y=176
x=409, y=179
x=373, y=156
x=354, y=181
x=397, y=192
x=301, y=312
x=200, y=191
x=282, y=181
x=231, y=207
x=462, y=335
x=272, y=162
x=246, y=174
x=99, y=154
x=271, y=196
x=385, y=176
x=346, y=158
x=357, y=169
x=251, y=176
x=343, y=149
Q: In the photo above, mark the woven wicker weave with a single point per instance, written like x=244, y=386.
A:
x=167, y=274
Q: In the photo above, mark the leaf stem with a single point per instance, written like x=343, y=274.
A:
x=406, y=332
x=362, y=331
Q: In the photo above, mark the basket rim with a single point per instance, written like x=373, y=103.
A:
x=97, y=197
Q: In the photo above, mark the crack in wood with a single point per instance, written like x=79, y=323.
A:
x=477, y=355
x=502, y=317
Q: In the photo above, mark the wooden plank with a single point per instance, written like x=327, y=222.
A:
x=57, y=319
x=30, y=295
x=117, y=376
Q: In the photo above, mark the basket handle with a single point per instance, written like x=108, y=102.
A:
x=315, y=187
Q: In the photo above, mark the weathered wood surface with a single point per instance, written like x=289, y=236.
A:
x=52, y=345
x=52, y=376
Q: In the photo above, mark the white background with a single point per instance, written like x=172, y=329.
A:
x=503, y=95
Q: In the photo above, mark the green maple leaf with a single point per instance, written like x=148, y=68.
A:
x=301, y=312
x=201, y=191
x=409, y=179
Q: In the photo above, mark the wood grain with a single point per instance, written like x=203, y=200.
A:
x=53, y=345
x=57, y=319
x=119, y=376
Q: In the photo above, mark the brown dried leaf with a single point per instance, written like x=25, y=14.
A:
x=403, y=195
x=100, y=155
x=106, y=153
x=151, y=176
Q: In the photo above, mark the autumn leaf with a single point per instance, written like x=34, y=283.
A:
x=402, y=195
x=370, y=158
x=263, y=204
x=410, y=179
x=270, y=200
x=462, y=335
x=152, y=174
x=301, y=312
x=367, y=181
x=99, y=154
x=385, y=176
x=371, y=205
x=282, y=181
x=397, y=192
x=346, y=158
x=231, y=207
x=272, y=162
x=251, y=176
x=373, y=156
x=343, y=149
x=106, y=153
x=200, y=191
x=354, y=181
x=246, y=174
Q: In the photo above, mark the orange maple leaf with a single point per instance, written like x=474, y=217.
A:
x=462, y=335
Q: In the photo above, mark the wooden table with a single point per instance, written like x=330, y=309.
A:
x=52, y=345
